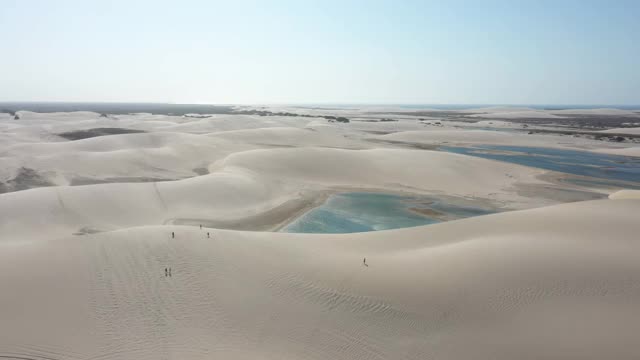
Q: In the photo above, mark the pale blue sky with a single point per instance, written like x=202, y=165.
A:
x=393, y=52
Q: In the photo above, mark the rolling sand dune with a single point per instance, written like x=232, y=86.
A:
x=292, y=137
x=492, y=287
x=384, y=168
x=455, y=136
x=470, y=137
x=250, y=183
x=527, y=114
x=625, y=194
x=151, y=156
x=634, y=131
x=496, y=109
x=523, y=112
x=106, y=158
x=630, y=151
x=93, y=271
x=601, y=111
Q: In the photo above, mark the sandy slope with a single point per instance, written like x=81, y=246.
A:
x=601, y=111
x=82, y=268
x=160, y=155
x=515, y=113
x=625, y=194
x=634, y=130
x=151, y=156
x=322, y=136
x=244, y=186
x=526, y=114
x=560, y=282
x=630, y=151
x=470, y=137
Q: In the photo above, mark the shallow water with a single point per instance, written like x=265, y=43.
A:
x=605, y=184
x=365, y=211
x=584, y=163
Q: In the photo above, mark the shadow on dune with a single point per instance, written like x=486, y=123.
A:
x=89, y=133
x=26, y=178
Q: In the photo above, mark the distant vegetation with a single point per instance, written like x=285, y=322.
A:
x=270, y=113
x=193, y=111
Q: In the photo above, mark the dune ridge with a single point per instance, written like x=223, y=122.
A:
x=450, y=290
x=119, y=268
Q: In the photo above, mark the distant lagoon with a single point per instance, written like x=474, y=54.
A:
x=583, y=163
x=371, y=211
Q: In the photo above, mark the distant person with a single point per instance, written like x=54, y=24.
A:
x=169, y=272
x=200, y=226
x=173, y=235
x=166, y=272
x=364, y=262
x=208, y=235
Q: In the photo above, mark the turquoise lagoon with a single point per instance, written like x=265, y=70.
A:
x=369, y=211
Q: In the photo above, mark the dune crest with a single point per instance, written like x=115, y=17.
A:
x=451, y=290
x=162, y=244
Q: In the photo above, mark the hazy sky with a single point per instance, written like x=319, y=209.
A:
x=473, y=52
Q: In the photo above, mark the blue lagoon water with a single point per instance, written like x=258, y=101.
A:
x=583, y=163
x=366, y=211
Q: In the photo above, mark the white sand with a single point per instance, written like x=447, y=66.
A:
x=630, y=151
x=496, y=124
x=532, y=114
x=82, y=267
x=634, y=130
x=497, y=109
x=523, y=112
x=601, y=111
x=249, y=183
x=625, y=194
x=559, y=282
x=152, y=155
x=470, y=137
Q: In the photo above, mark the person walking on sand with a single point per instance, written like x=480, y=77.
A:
x=200, y=226
x=207, y=235
x=173, y=235
x=364, y=261
x=166, y=272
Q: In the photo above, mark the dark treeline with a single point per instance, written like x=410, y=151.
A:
x=270, y=113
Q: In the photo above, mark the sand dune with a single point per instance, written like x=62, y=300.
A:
x=526, y=114
x=625, y=194
x=457, y=136
x=497, y=109
x=84, y=269
x=630, y=151
x=600, y=111
x=246, y=185
x=129, y=156
x=292, y=137
x=491, y=287
x=386, y=168
x=634, y=130
x=471, y=137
